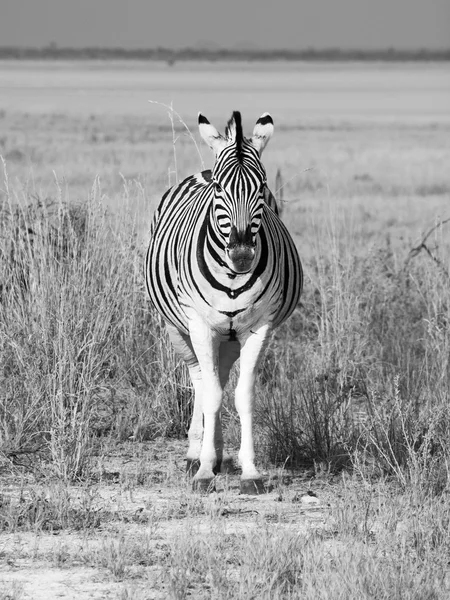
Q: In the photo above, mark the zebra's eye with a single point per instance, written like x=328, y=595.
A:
x=217, y=186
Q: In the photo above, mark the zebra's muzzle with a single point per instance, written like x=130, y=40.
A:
x=241, y=249
x=241, y=258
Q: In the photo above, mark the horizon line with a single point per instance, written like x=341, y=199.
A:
x=53, y=50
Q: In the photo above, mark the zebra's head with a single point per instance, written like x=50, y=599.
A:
x=238, y=180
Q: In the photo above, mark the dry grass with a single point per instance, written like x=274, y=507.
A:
x=202, y=551
x=353, y=394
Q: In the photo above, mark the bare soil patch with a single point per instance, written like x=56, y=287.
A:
x=137, y=509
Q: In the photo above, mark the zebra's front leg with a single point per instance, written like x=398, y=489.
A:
x=252, y=350
x=206, y=348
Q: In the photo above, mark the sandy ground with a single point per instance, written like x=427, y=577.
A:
x=77, y=563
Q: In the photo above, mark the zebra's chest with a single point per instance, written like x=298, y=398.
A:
x=233, y=307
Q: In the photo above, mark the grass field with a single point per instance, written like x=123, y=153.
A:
x=353, y=398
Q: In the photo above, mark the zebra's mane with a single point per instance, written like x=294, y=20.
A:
x=234, y=130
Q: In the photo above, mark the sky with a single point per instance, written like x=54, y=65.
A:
x=366, y=24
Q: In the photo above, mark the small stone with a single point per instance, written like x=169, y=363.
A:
x=252, y=487
x=309, y=499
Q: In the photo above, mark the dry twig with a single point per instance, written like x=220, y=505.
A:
x=422, y=246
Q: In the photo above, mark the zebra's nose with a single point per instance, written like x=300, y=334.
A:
x=242, y=258
x=241, y=249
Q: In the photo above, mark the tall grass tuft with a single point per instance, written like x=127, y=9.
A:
x=361, y=372
x=79, y=343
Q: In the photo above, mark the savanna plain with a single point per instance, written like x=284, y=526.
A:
x=353, y=409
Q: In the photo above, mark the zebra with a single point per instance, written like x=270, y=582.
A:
x=223, y=272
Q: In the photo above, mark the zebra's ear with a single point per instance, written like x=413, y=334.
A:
x=210, y=134
x=262, y=132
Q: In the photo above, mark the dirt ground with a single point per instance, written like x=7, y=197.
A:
x=141, y=494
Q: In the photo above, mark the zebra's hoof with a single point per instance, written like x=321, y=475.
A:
x=192, y=466
x=203, y=486
x=252, y=487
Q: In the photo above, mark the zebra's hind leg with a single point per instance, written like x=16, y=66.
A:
x=228, y=354
x=183, y=347
x=195, y=433
x=251, y=352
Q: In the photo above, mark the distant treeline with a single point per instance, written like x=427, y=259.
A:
x=171, y=56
